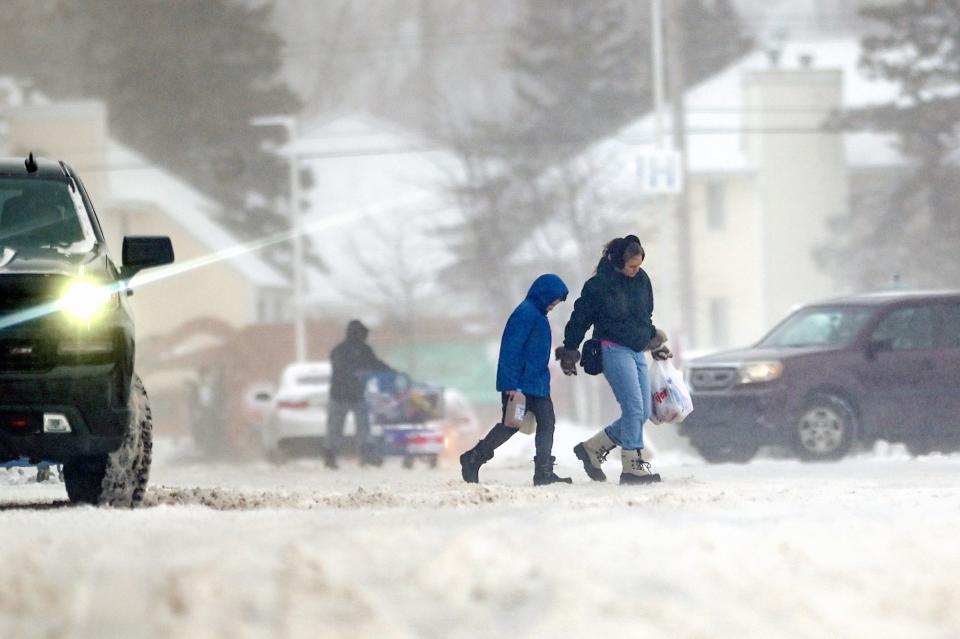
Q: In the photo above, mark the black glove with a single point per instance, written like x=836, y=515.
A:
x=658, y=340
x=568, y=359
x=661, y=353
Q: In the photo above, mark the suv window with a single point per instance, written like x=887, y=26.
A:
x=951, y=326
x=38, y=213
x=819, y=327
x=907, y=329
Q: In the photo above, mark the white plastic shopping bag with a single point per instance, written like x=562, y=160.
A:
x=670, y=397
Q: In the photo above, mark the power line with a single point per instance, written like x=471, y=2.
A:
x=500, y=37
x=412, y=149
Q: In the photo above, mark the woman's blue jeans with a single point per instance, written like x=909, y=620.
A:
x=627, y=373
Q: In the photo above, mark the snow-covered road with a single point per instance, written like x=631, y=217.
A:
x=863, y=548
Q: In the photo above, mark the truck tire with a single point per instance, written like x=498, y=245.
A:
x=83, y=478
x=120, y=478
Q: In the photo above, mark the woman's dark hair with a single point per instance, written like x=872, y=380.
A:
x=621, y=250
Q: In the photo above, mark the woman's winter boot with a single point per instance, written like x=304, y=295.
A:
x=635, y=470
x=593, y=452
x=543, y=472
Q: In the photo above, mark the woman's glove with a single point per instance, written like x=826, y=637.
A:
x=661, y=353
x=568, y=359
x=657, y=348
x=657, y=341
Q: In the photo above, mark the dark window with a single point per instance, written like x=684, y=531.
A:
x=907, y=329
x=950, y=335
x=36, y=213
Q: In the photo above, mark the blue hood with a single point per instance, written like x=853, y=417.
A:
x=545, y=289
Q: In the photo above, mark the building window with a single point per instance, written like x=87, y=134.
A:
x=719, y=321
x=716, y=209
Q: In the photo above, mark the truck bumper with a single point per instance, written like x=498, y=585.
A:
x=91, y=398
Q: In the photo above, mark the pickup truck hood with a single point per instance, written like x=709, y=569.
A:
x=53, y=261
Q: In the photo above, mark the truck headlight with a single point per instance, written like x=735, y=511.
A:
x=756, y=372
x=85, y=300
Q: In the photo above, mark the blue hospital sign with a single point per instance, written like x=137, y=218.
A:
x=660, y=171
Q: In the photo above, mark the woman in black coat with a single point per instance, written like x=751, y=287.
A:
x=618, y=303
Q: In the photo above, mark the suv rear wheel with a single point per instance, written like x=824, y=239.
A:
x=120, y=478
x=824, y=429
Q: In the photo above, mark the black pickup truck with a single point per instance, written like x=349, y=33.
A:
x=69, y=392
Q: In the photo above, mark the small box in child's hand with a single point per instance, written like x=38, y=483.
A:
x=529, y=424
x=516, y=410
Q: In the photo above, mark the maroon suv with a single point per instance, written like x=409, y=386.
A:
x=832, y=374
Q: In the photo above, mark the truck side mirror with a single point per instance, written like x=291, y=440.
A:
x=140, y=252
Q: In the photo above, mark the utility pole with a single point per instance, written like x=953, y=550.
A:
x=289, y=124
x=656, y=53
x=428, y=68
x=675, y=64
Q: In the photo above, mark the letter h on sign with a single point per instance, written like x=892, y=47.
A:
x=660, y=172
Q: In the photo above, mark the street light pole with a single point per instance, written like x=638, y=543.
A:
x=289, y=124
x=685, y=250
x=656, y=52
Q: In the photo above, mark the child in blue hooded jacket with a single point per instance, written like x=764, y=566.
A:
x=523, y=368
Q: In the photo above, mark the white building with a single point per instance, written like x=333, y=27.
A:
x=764, y=178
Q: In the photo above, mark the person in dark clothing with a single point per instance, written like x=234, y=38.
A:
x=618, y=302
x=523, y=368
x=351, y=361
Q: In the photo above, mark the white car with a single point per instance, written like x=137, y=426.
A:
x=297, y=421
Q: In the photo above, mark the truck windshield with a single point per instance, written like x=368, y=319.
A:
x=43, y=214
x=833, y=326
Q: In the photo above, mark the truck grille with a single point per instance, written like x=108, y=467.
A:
x=708, y=379
x=23, y=347
x=21, y=291
x=25, y=354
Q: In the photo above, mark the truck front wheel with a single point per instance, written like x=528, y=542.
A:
x=120, y=478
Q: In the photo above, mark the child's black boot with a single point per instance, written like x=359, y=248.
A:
x=543, y=472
